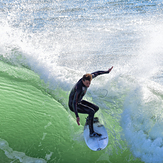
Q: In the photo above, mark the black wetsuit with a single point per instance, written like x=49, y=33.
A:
x=76, y=104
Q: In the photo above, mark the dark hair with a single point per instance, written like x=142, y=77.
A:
x=87, y=77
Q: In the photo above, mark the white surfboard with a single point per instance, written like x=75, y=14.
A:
x=96, y=143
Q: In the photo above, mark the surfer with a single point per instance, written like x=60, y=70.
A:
x=77, y=105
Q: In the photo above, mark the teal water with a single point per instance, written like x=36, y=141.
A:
x=46, y=46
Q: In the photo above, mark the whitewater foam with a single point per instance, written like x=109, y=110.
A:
x=15, y=155
x=142, y=121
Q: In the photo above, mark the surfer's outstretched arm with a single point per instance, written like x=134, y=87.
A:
x=94, y=74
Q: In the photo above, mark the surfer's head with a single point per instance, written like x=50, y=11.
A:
x=87, y=79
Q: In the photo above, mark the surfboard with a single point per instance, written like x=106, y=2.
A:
x=96, y=143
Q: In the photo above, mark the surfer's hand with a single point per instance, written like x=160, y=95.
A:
x=110, y=69
x=78, y=120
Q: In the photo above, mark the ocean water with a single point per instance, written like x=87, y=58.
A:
x=45, y=48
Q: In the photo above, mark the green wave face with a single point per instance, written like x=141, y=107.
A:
x=37, y=126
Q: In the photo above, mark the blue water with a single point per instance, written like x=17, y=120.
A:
x=46, y=46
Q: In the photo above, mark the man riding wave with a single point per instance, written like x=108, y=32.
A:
x=77, y=105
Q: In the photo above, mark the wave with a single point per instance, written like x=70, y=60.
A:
x=130, y=108
x=39, y=64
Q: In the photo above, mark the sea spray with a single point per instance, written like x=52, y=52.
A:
x=142, y=119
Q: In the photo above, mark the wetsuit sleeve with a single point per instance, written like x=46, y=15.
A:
x=75, y=102
x=95, y=74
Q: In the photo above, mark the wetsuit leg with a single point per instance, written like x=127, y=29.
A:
x=93, y=106
x=86, y=107
x=91, y=109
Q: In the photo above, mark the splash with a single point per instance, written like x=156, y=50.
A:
x=142, y=120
